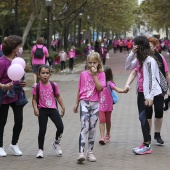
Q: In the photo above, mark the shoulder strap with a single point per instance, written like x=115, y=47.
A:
x=108, y=86
x=161, y=67
x=53, y=87
x=37, y=92
x=54, y=91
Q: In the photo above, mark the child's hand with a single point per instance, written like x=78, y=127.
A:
x=126, y=89
x=36, y=112
x=62, y=112
x=75, y=110
x=94, y=70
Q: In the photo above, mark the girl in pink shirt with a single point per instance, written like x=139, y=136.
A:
x=91, y=83
x=71, y=56
x=106, y=105
x=44, y=105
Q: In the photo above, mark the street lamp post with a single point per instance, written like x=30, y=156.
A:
x=48, y=4
x=79, y=32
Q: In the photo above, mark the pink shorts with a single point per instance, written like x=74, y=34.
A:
x=104, y=117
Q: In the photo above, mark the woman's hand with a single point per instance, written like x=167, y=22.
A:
x=7, y=86
x=23, y=83
x=126, y=89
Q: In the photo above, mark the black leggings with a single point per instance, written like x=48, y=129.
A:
x=18, y=119
x=63, y=65
x=71, y=63
x=53, y=114
x=143, y=116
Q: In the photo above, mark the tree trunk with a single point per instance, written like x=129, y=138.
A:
x=40, y=20
x=28, y=27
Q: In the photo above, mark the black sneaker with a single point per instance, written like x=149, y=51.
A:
x=159, y=140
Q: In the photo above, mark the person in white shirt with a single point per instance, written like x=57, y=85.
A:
x=63, y=58
x=147, y=71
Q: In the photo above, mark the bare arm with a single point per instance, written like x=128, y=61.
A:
x=34, y=104
x=119, y=90
x=130, y=61
x=60, y=101
x=77, y=103
x=130, y=80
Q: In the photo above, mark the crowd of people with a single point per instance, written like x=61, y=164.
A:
x=93, y=96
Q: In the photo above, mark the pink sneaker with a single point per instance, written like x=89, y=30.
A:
x=107, y=138
x=102, y=141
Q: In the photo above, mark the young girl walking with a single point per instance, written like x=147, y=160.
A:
x=44, y=105
x=91, y=83
x=106, y=105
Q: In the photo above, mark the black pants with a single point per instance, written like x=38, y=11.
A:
x=18, y=119
x=104, y=61
x=53, y=114
x=143, y=110
x=63, y=65
x=71, y=62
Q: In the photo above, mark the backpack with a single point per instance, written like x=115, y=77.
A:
x=113, y=94
x=163, y=82
x=39, y=52
x=38, y=91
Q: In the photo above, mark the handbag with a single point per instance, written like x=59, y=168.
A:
x=113, y=94
x=163, y=83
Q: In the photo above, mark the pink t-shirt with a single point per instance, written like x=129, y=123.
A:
x=71, y=54
x=165, y=64
x=106, y=100
x=37, y=60
x=46, y=95
x=87, y=88
x=139, y=77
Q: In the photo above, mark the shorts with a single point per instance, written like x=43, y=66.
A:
x=35, y=68
x=104, y=117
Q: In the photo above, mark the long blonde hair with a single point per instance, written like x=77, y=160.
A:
x=96, y=57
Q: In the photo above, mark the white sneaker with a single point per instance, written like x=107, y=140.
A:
x=40, y=153
x=81, y=157
x=57, y=148
x=15, y=149
x=2, y=152
x=91, y=157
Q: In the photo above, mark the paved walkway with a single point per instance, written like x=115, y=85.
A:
x=117, y=155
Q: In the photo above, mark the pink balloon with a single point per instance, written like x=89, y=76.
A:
x=20, y=61
x=15, y=72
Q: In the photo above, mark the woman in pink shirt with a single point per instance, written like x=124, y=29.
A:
x=91, y=83
x=11, y=48
x=106, y=105
x=37, y=62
